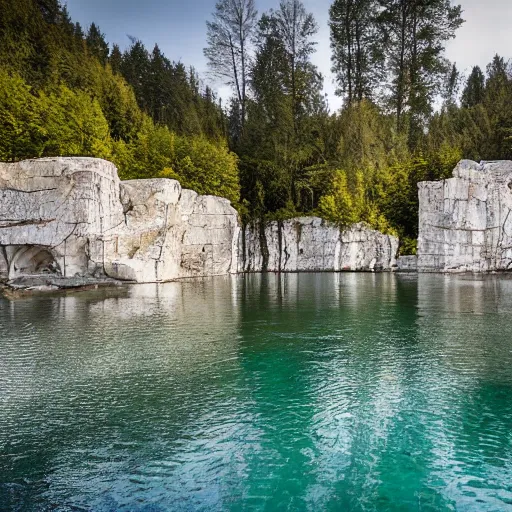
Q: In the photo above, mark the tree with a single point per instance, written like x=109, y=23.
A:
x=358, y=48
x=116, y=59
x=50, y=9
x=272, y=113
x=498, y=104
x=20, y=123
x=294, y=27
x=228, y=50
x=282, y=142
x=97, y=44
x=473, y=92
x=135, y=69
x=451, y=87
x=416, y=32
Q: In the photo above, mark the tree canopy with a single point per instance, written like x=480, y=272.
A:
x=274, y=149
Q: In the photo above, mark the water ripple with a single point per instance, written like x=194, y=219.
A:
x=294, y=392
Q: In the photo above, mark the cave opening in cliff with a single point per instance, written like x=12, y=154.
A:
x=32, y=260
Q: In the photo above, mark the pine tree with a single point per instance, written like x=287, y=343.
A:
x=473, y=92
x=451, y=86
x=51, y=10
x=135, y=69
x=97, y=44
x=498, y=104
x=116, y=59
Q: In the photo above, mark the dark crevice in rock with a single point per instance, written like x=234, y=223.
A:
x=280, y=244
x=30, y=222
x=244, y=249
x=17, y=191
x=263, y=246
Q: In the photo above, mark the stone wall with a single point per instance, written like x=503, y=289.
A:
x=407, y=264
x=312, y=244
x=465, y=222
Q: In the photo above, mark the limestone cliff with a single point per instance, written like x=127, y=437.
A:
x=73, y=219
x=73, y=216
x=312, y=244
x=465, y=222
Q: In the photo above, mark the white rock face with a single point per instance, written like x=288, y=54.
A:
x=50, y=209
x=312, y=244
x=465, y=222
x=73, y=216
x=171, y=233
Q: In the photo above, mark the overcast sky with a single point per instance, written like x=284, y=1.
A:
x=179, y=28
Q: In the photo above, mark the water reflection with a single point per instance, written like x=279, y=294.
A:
x=271, y=392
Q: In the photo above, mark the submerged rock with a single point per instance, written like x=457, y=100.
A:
x=465, y=222
x=71, y=222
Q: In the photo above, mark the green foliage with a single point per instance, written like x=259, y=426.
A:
x=74, y=124
x=343, y=205
x=473, y=92
x=368, y=139
x=408, y=246
x=61, y=123
x=276, y=152
x=96, y=43
x=205, y=167
x=61, y=94
x=196, y=162
x=20, y=122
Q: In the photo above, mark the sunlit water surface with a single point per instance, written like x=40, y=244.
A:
x=346, y=392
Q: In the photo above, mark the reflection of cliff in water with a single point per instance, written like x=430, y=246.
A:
x=87, y=368
x=316, y=347
x=133, y=336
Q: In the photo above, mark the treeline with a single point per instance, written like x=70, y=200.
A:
x=364, y=162
x=63, y=92
x=275, y=149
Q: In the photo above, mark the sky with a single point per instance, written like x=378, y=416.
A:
x=179, y=28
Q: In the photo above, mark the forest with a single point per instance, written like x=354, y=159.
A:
x=275, y=149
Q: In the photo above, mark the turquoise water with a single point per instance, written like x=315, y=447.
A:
x=345, y=392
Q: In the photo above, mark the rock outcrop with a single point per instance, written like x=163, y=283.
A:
x=312, y=244
x=72, y=220
x=73, y=217
x=465, y=222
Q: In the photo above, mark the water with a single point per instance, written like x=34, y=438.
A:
x=346, y=392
